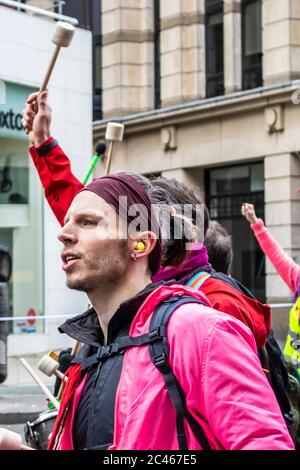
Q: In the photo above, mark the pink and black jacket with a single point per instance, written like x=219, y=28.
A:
x=214, y=358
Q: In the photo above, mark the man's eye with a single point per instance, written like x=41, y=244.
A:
x=89, y=223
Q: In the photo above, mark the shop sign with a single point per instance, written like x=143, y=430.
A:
x=12, y=103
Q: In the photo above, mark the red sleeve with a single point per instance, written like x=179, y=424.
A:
x=254, y=314
x=58, y=181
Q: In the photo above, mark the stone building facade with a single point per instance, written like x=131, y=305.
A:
x=208, y=93
x=191, y=134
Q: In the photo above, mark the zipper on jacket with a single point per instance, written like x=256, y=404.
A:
x=97, y=374
x=90, y=420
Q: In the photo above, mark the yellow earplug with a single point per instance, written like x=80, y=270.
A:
x=139, y=246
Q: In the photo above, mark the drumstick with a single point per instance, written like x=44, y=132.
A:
x=62, y=37
x=49, y=366
x=39, y=382
x=114, y=133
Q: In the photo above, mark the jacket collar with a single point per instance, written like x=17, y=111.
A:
x=86, y=328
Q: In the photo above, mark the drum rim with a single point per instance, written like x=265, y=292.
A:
x=43, y=416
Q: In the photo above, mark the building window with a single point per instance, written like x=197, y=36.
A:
x=79, y=9
x=227, y=188
x=157, y=93
x=88, y=13
x=97, y=78
x=95, y=21
x=214, y=48
x=252, y=44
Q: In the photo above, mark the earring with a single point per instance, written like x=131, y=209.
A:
x=134, y=256
x=139, y=246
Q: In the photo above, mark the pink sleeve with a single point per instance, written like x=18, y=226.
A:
x=241, y=406
x=233, y=399
x=287, y=269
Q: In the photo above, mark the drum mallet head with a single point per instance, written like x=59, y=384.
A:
x=62, y=37
x=63, y=34
x=49, y=366
x=114, y=132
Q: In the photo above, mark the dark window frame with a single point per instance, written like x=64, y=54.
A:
x=88, y=10
x=214, y=81
x=254, y=65
x=254, y=197
x=157, y=70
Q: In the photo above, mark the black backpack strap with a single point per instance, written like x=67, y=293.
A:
x=159, y=352
x=113, y=349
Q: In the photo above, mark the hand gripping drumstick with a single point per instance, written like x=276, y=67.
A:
x=10, y=440
x=39, y=382
x=49, y=366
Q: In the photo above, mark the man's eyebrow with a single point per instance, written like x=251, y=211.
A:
x=87, y=213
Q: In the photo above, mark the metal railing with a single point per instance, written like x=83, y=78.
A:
x=53, y=317
x=38, y=11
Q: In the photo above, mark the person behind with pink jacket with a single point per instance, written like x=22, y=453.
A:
x=288, y=270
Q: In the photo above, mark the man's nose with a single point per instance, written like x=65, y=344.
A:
x=67, y=236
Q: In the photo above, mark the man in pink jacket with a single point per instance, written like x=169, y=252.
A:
x=119, y=401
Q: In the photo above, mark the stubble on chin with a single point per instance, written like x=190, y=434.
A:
x=105, y=271
x=81, y=286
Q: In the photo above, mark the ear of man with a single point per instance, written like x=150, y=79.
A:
x=143, y=244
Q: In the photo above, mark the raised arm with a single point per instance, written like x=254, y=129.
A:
x=52, y=164
x=288, y=270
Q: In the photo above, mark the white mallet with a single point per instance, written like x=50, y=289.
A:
x=114, y=133
x=62, y=37
x=40, y=383
x=10, y=440
x=49, y=366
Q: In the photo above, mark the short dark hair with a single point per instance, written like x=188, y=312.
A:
x=218, y=243
x=165, y=192
x=173, y=192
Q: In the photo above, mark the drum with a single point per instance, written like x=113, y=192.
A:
x=37, y=432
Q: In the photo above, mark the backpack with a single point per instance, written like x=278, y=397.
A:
x=156, y=338
x=281, y=375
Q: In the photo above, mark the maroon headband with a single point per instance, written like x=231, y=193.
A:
x=111, y=188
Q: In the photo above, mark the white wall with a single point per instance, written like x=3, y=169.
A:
x=25, y=51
